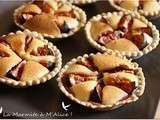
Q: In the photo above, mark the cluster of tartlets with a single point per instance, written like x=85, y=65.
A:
x=100, y=81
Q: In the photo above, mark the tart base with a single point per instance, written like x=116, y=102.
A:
x=134, y=97
x=142, y=12
x=133, y=55
x=58, y=64
x=82, y=15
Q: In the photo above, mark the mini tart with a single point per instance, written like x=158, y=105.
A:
x=27, y=59
x=102, y=81
x=50, y=18
x=144, y=7
x=128, y=34
x=81, y=2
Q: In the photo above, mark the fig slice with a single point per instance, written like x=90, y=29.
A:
x=47, y=64
x=125, y=23
x=16, y=72
x=75, y=79
x=4, y=54
x=42, y=51
x=142, y=40
x=123, y=80
x=107, y=37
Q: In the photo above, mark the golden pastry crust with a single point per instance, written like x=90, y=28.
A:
x=36, y=69
x=79, y=69
x=33, y=71
x=86, y=88
x=109, y=62
x=122, y=45
x=46, y=22
x=99, y=27
x=31, y=9
x=107, y=100
x=42, y=24
x=7, y=63
x=146, y=7
x=137, y=27
x=111, y=95
x=17, y=42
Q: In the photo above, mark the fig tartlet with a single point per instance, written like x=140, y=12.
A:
x=54, y=19
x=144, y=7
x=102, y=81
x=128, y=34
x=27, y=59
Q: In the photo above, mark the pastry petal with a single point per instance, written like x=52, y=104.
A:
x=43, y=24
x=122, y=45
x=82, y=91
x=111, y=95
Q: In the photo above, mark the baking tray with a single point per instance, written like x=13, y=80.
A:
x=45, y=100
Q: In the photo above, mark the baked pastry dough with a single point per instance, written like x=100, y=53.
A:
x=8, y=59
x=83, y=90
x=112, y=95
x=144, y=7
x=128, y=34
x=33, y=71
x=109, y=62
x=117, y=81
x=42, y=24
x=122, y=45
x=54, y=19
x=79, y=69
x=27, y=59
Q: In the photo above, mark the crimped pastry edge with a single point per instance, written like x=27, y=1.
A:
x=81, y=13
x=142, y=12
x=51, y=74
x=82, y=2
x=134, y=97
x=129, y=54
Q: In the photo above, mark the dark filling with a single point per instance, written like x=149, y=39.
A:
x=141, y=4
x=47, y=64
x=16, y=72
x=3, y=41
x=124, y=31
x=125, y=23
x=82, y=78
x=45, y=7
x=96, y=95
x=42, y=51
x=107, y=37
x=4, y=54
x=145, y=30
x=28, y=40
x=88, y=63
x=64, y=28
x=25, y=16
x=124, y=84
